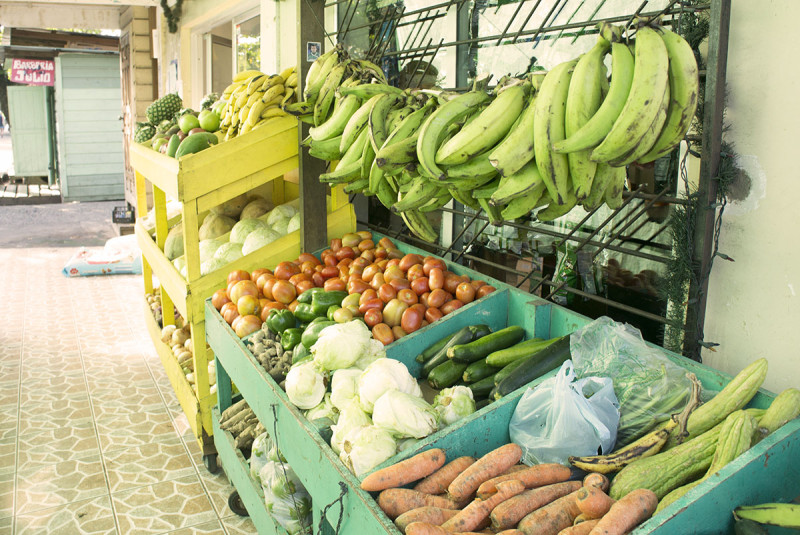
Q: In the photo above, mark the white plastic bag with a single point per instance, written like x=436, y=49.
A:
x=562, y=417
x=259, y=455
x=286, y=498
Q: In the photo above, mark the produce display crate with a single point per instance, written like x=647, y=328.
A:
x=322, y=472
x=199, y=182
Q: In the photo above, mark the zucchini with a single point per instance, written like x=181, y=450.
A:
x=462, y=336
x=539, y=364
x=521, y=350
x=490, y=343
x=503, y=373
x=478, y=370
x=481, y=403
x=426, y=355
x=446, y=374
x=482, y=388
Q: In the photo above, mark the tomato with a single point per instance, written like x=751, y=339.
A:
x=293, y=305
x=266, y=290
x=423, y=299
x=398, y=332
x=331, y=260
x=477, y=284
x=360, y=262
x=356, y=286
x=294, y=279
x=230, y=287
x=433, y=263
x=393, y=312
x=484, y=290
x=370, y=271
x=248, y=305
x=328, y=272
x=257, y=273
x=242, y=288
x=381, y=253
x=394, y=254
x=262, y=279
x=393, y=272
x=335, y=283
x=354, y=310
x=450, y=306
x=383, y=334
x=368, y=255
x=284, y=292
x=343, y=315
x=415, y=272
x=420, y=285
x=370, y=304
x=325, y=253
x=387, y=292
x=318, y=279
x=366, y=245
x=366, y=295
x=304, y=286
x=364, y=234
x=392, y=262
x=411, y=320
x=350, y=239
x=400, y=284
x=408, y=296
x=356, y=271
x=437, y=298
x=308, y=268
x=377, y=281
x=351, y=299
x=432, y=314
x=451, y=282
x=344, y=272
x=435, y=279
x=372, y=317
x=386, y=243
x=345, y=252
x=383, y=263
x=229, y=312
x=238, y=275
x=344, y=263
x=219, y=298
x=235, y=322
x=307, y=257
x=409, y=260
x=465, y=292
x=336, y=244
x=269, y=307
x=285, y=270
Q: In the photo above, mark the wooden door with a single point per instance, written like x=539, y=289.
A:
x=30, y=146
x=128, y=114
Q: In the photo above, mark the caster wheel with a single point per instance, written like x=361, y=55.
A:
x=236, y=505
x=210, y=461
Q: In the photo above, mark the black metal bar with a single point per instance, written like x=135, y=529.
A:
x=542, y=26
x=511, y=21
x=601, y=226
x=578, y=226
x=464, y=249
x=379, y=38
x=642, y=195
x=524, y=23
x=591, y=17
x=347, y=26
x=651, y=238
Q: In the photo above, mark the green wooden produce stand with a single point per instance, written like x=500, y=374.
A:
x=767, y=472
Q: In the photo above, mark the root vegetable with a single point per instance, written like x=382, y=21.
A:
x=593, y=502
x=627, y=513
x=596, y=480
x=431, y=515
x=421, y=465
x=166, y=333
x=180, y=336
x=551, y=518
x=534, y=476
x=490, y=465
x=477, y=512
x=395, y=502
x=510, y=512
x=584, y=528
x=437, y=482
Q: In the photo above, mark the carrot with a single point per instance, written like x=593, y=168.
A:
x=478, y=511
x=510, y=512
x=551, y=518
x=532, y=476
x=399, y=474
x=596, y=480
x=490, y=465
x=512, y=531
x=593, y=502
x=430, y=515
x=437, y=482
x=581, y=518
x=584, y=528
x=627, y=513
x=423, y=528
x=395, y=502
x=515, y=468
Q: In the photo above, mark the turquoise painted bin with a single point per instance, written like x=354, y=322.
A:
x=326, y=477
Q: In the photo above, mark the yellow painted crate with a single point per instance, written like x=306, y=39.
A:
x=265, y=157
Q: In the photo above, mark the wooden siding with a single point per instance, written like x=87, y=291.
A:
x=88, y=106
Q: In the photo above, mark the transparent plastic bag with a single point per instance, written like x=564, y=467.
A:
x=649, y=386
x=286, y=498
x=259, y=455
x=563, y=416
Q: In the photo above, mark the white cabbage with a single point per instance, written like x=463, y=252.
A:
x=173, y=246
x=351, y=417
x=232, y=207
x=406, y=443
x=257, y=207
x=454, y=403
x=208, y=248
x=282, y=211
x=258, y=239
x=344, y=386
x=376, y=351
x=365, y=448
x=324, y=410
x=228, y=252
x=305, y=385
x=244, y=227
x=341, y=345
x=214, y=226
x=281, y=226
x=294, y=224
x=384, y=375
x=179, y=263
x=209, y=266
x=405, y=415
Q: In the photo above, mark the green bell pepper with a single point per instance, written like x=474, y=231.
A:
x=290, y=338
x=331, y=311
x=326, y=299
x=306, y=296
x=280, y=320
x=311, y=333
x=300, y=352
x=305, y=312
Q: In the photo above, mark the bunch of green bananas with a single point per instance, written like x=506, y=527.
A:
x=545, y=142
x=253, y=98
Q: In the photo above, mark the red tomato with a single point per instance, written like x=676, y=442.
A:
x=450, y=306
x=247, y=324
x=238, y=275
x=229, y=312
x=451, y=282
x=345, y=252
x=360, y=262
x=432, y=314
x=308, y=267
x=381, y=253
x=400, y=284
x=242, y=288
x=377, y=281
x=412, y=320
x=336, y=244
x=393, y=272
x=364, y=234
x=423, y=299
x=248, y=305
x=307, y=257
x=398, y=332
x=285, y=270
x=477, y=284
x=435, y=278
x=262, y=279
x=334, y=284
x=437, y=298
x=415, y=272
x=383, y=334
x=293, y=305
x=394, y=254
x=370, y=272
x=368, y=255
x=393, y=312
x=366, y=245
x=329, y=272
x=366, y=295
x=219, y=298
x=372, y=317
x=484, y=290
x=266, y=290
x=408, y=296
x=331, y=260
x=269, y=307
x=409, y=260
x=433, y=263
x=465, y=292
x=294, y=279
x=356, y=286
x=420, y=285
x=304, y=286
x=318, y=279
x=284, y=292
x=383, y=263
x=257, y=273
x=351, y=239
x=386, y=243
x=370, y=304
x=387, y=292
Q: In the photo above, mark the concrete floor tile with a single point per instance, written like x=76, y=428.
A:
x=147, y=465
x=54, y=445
x=237, y=525
x=6, y=495
x=59, y=484
x=124, y=431
x=89, y=517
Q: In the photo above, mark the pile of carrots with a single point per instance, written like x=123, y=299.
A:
x=495, y=494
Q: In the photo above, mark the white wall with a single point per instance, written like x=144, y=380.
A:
x=754, y=307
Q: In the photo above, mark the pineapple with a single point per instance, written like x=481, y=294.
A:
x=144, y=132
x=164, y=108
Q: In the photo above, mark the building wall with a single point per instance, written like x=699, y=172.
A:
x=88, y=97
x=753, y=306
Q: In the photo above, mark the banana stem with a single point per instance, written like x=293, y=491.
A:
x=682, y=418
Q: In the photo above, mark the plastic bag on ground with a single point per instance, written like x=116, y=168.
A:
x=649, y=386
x=563, y=416
x=259, y=455
x=286, y=498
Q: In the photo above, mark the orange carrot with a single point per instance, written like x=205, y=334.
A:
x=596, y=480
x=399, y=474
x=395, y=502
x=510, y=512
x=584, y=528
x=627, y=513
x=423, y=528
x=430, y=515
x=581, y=518
x=593, y=502
x=551, y=518
x=437, y=482
x=478, y=511
x=490, y=465
x=513, y=531
x=515, y=468
x=532, y=476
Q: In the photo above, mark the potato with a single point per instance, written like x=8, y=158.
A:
x=177, y=348
x=180, y=337
x=188, y=345
x=167, y=332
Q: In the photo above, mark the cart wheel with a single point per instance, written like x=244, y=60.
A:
x=236, y=505
x=211, y=463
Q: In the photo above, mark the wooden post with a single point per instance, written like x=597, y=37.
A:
x=703, y=237
x=313, y=213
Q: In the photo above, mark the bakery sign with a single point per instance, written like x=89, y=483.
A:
x=33, y=71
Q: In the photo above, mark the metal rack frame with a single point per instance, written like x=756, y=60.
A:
x=618, y=228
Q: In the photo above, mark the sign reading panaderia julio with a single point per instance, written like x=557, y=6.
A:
x=33, y=71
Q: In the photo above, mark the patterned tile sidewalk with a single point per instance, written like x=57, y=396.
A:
x=90, y=437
